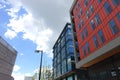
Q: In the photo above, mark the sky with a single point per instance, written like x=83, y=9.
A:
x=28, y=25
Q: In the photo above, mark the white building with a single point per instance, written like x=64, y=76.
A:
x=28, y=78
x=46, y=74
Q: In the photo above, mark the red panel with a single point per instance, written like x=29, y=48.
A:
x=105, y=18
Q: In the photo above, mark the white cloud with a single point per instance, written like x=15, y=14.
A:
x=16, y=68
x=10, y=34
x=42, y=24
x=17, y=75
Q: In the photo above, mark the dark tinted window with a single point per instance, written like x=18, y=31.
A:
x=79, y=26
x=87, y=14
x=82, y=35
x=84, y=51
x=91, y=9
x=108, y=8
x=102, y=38
x=118, y=16
x=97, y=18
x=86, y=32
x=113, y=27
x=92, y=24
x=116, y=2
x=87, y=47
x=99, y=1
x=95, y=41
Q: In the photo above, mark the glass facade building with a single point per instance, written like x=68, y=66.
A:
x=63, y=56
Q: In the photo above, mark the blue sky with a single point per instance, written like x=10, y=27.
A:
x=30, y=25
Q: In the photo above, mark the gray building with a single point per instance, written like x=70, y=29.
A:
x=28, y=78
x=7, y=60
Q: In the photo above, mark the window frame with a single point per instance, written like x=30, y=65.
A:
x=107, y=7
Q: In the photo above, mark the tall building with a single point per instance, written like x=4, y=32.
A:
x=63, y=56
x=97, y=27
x=7, y=60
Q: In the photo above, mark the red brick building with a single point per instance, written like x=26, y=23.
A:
x=96, y=24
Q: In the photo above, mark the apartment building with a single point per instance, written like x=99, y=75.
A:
x=97, y=27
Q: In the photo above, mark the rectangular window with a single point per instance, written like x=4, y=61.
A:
x=91, y=9
x=87, y=14
x=82, y=35
x=118, y=16
x=108, y=8
x=97, y=18
x=95, y=41
x=116, y=2
x=86, y=32
x=79, y=26
x=87, y=47
x=99, y=1
x=92, y=24
x=86, y=2
x=80, y=13
x=84, y=51
x=102, y=38
x=113, y=27
x=82, y=22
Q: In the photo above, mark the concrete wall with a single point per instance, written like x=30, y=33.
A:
x=7, y=60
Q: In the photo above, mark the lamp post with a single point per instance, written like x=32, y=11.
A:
x=37, y=51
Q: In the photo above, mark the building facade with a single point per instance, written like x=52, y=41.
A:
x=46, y=73
x=28, y=78
x=63, y=56
x=97, y=27
x=7, y=60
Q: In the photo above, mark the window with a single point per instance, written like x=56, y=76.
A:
x=108, y=8
x=91, y=9
x=70, y=78
x=84, y=51
x=87, y=47
x=116, y=2
x=95, y=41
x=63, y=53
x=92, y=24
x=69, y=66
x=99, y=1
x=87, y=14
x=97, y=18
x=86, y=2
x=100, y=33
x=82, y=35
x=80, y=13
x=79, y=26
x=82, y=22
x=113, y=27
x=86, y=32
x=64, y=67
x=118, y=16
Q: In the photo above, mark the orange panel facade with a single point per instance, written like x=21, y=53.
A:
x=97, y=22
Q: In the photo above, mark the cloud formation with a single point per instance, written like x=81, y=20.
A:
x=41, y=24
x=17, y=75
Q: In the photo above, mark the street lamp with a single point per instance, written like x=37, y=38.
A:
x=41, y=51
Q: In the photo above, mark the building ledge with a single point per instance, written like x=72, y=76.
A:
x=110, y=49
